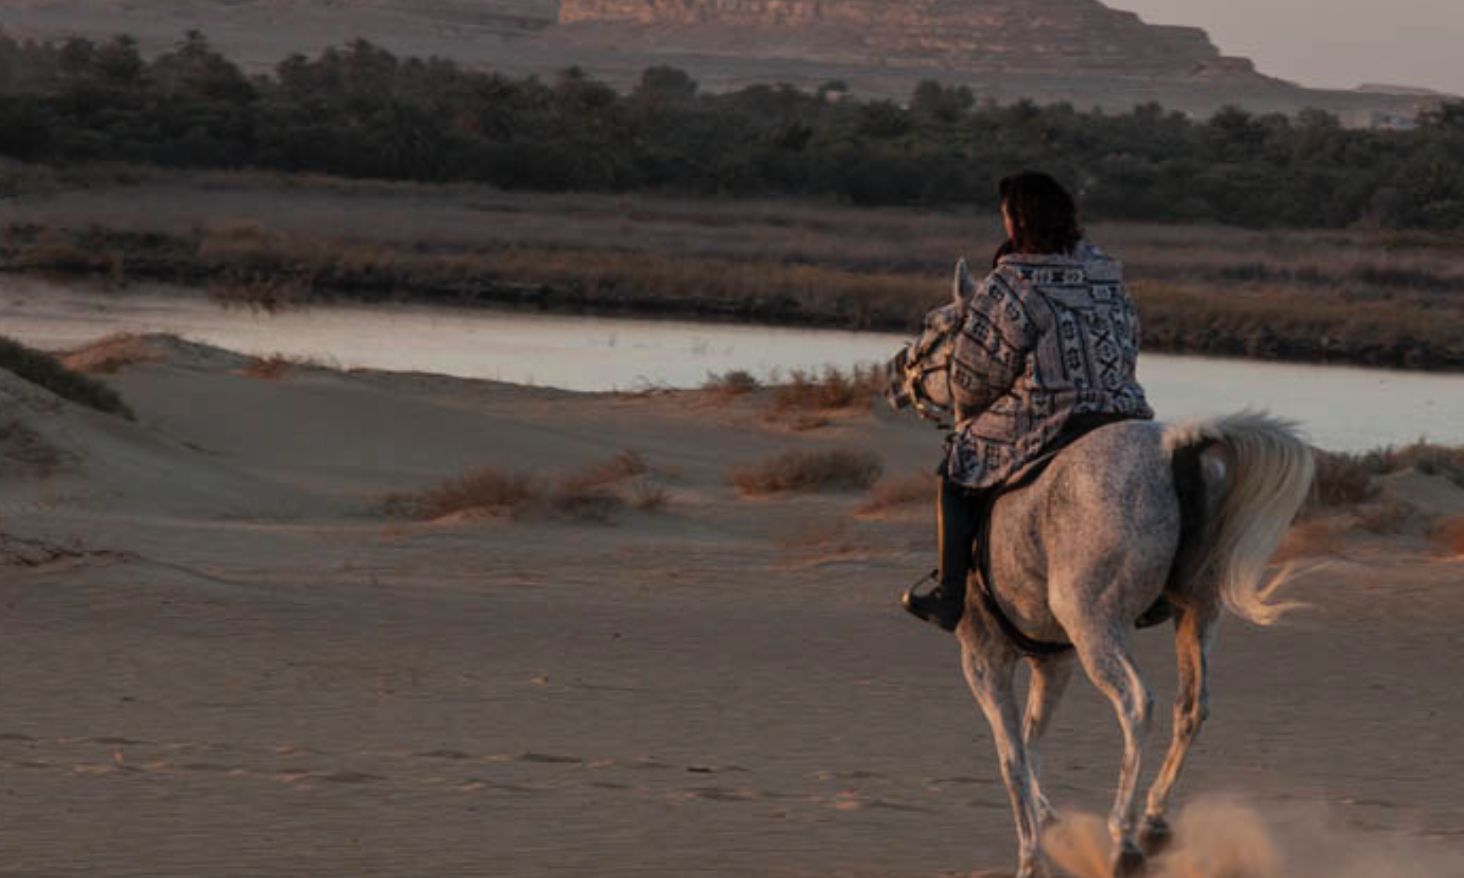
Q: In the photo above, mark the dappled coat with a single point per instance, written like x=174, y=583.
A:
x=1043, y=338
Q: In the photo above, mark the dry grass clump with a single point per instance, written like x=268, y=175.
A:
x=111, y=354
x=893, y=493
x=730, y=384
x=48, y=372
x=275, y=366
x=594, y=493
x=621, y=466
x=648, y=497
x=489, y=490
x=828, y=390
x=1426, y=457
x=839, y=469
x=1346, y=479
x=1341, y=480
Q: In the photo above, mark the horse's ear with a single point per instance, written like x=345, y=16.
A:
x=964, y=287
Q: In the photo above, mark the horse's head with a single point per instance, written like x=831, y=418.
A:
x=920, y=374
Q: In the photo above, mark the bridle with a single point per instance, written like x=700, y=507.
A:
x=915, y=373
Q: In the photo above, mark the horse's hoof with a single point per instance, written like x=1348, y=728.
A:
x=1155, y=836
x=1130, y=862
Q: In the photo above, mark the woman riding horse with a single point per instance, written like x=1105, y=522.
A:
x=1046, y=352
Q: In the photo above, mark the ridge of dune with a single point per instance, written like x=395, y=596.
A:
x=60, y=456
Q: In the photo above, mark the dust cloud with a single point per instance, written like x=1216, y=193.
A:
x=1227, y=838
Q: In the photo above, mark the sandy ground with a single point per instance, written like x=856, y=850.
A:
x=218, y=660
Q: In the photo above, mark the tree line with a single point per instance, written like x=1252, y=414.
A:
x=360, y=111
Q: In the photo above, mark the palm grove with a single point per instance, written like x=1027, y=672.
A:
x=359, y=111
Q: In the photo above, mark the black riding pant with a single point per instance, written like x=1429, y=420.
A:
x=960, y=511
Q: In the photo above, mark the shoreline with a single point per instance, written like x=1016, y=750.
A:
x=271, y=291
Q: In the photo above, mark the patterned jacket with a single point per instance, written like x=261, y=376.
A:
x=1044, y=338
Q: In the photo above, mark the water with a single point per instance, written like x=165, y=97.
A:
x=1341, y=408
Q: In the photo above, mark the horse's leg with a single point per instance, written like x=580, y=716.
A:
x=1106, y=659
x=1194, y=632
x=990, y=672
x=1050, y=676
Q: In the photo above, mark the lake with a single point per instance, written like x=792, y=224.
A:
x=1342, y=408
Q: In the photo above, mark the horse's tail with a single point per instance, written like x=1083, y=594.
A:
x=1267, y=474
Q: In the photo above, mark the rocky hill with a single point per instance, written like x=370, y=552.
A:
x=1050, y=36
x=1079, y=51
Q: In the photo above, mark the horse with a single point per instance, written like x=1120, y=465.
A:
x=1127, y=513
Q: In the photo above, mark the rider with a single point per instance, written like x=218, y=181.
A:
x=1046, y=352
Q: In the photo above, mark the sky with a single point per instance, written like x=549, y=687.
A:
x=1330, y=43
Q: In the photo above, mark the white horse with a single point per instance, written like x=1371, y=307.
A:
x=1127, y=513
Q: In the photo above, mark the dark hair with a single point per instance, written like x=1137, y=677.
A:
x=1006, y=249
x=1043, y=213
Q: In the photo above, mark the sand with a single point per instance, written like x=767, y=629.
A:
x=220, y=658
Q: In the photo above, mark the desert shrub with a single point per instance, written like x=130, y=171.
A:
x=1346, y=479
x=489, y=489
x=48, y=372
x=621, y=466
x=271, y=368
x=835, y=470
x=1341, y=480
x=276, y=366
x=1427, y=458
x=594, y=493
x=828, y=390
x=911, y=490
x=649, y=497
x=735, y=382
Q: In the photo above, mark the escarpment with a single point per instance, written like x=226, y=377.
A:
x=1034, y=36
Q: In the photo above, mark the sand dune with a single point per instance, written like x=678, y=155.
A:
x=232, y=664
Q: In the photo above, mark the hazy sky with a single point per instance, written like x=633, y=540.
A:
x=1331, y=43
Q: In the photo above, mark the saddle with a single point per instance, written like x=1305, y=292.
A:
x=1186, y=472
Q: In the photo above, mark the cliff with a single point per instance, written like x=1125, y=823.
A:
x=1014, y=36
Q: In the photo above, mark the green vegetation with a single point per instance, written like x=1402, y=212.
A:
x=46, y=371
x=361, y=112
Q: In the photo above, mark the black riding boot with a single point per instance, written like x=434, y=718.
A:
x=959, y=519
